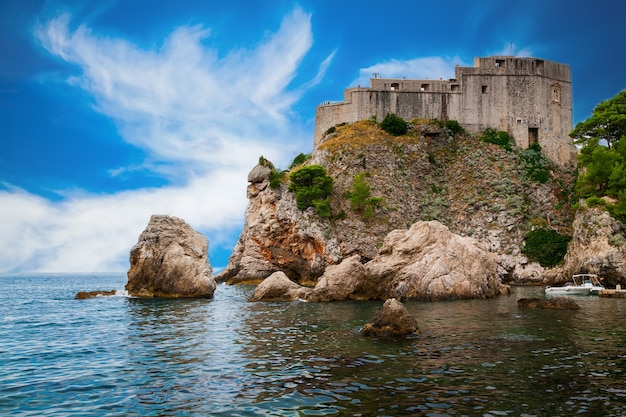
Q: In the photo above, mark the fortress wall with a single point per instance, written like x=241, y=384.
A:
x=408, y=105
x=529, y=98
x=484, y=102
x=404, y=85
x=365, y=103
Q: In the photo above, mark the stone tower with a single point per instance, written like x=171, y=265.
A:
x=529, y=98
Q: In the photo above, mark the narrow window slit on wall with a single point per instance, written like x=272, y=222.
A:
x=484, y=89
x=556, y=93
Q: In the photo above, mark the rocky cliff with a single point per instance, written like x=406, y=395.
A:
x=598, y=247
x=476, y=189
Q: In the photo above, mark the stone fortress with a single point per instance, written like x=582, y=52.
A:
x=529, y=98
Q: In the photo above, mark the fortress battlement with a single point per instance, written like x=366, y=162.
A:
x=529, y=98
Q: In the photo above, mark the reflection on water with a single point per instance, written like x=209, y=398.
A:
x=225, y=356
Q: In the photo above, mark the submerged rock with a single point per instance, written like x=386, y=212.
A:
x=557, y=303
x=83, y=295
x=392, y=320
x=170, y=260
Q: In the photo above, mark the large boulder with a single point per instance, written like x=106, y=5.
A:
x=170, y=260
x=430, y=262
x=278, y=287
x=597, y=247
x=346, y=281
x=392, y=320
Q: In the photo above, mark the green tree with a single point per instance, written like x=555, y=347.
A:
x=359, y=196
x=394, y=125
x=600, y=170
x=312, y=187
x=607, y=122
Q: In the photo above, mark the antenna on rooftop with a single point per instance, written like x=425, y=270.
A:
x=511, y=45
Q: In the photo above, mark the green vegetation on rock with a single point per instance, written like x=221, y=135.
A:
x=498, y=137
x=312, y=187
x=452, y=125
x=276, y=176
x=299, y=160
x=545, y=246
x=394, y=125
x=536, y=165
x=359, y=196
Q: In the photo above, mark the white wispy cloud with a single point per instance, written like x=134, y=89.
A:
x=202, y=117
x=422, y=68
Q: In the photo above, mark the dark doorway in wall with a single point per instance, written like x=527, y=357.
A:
x=533, y=135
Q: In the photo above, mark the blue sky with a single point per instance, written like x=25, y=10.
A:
x=114, y=110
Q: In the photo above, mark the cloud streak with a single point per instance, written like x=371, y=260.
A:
x=202, y=118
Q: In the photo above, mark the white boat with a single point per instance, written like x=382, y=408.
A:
x=582, y=284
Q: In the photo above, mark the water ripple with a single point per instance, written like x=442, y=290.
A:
x=120, y=356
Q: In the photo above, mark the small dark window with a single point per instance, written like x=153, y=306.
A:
x=500, y=63
x=424, y=87
x=455, y=87
x=484, y=89
x=395, y=86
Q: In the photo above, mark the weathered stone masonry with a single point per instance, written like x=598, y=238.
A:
x=529, y=98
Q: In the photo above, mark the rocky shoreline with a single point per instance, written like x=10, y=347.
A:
x=483, y=202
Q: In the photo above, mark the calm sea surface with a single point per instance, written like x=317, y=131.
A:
x=119, y=356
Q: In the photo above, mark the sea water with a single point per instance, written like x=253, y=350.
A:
x=121, y=356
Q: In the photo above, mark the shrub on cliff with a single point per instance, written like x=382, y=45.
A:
x=299, y=160
x=497, y=137
x=452, y=125
x=312, y=187
x=536, y=165
x=359, y=196
x=394, y=125
x=545, y=246
x=276, y=175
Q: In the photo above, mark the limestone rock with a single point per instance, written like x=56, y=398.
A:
x=170, y=260
x=558, y=303
x=346, y=281
x=259, y=174
x=392, y=320
x=425, y=175
x=278, y=287
x=591, y=249
x=277, y=236
x=429, y=262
